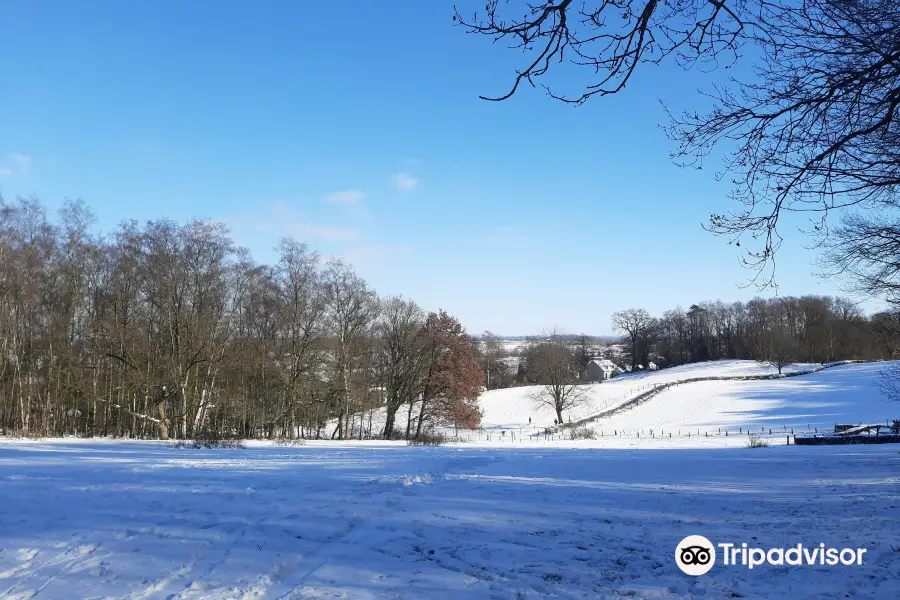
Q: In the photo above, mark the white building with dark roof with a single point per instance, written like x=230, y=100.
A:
x=600, y=369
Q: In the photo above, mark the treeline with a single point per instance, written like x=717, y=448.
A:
x=164, y=329
x=802, y=329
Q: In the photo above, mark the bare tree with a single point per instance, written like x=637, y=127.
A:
x=779, y=350
x=635, y=323
x=889, y=383
x=886, y=329
x=491, y=355
x=402, y=339
x=552, y=365
x=610, y=38
x=352, y=309
x=167, y=330
x=816, y=130
x=867, y=249
x=302, y=304
x=812, y=128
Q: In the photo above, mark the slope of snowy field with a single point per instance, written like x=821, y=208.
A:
x=844, y=394
x=138, y=520
x=698, y=414
x=511, y=408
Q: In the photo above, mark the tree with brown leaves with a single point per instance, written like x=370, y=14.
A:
x=452, y=379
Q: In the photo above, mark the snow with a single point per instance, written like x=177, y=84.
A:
x=510, y=409
x=342, y=520
x=843, y=394
x=490, y=519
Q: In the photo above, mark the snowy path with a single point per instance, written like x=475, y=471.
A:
x=139, y=520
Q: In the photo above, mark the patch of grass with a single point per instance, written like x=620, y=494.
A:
x=428, y=439
x=757, y=442
x=18, y=435
x=289, y=443
x=210, y=440
x=396, y=434
x=582, y=433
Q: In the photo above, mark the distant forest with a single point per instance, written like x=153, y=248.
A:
x=808, y=329
x=814, y=329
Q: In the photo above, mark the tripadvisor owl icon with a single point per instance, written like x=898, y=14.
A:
x=695, y=555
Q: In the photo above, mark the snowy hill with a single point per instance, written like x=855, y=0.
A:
x=846, y=393
x=809, y=397
x=843, y=394
x=511, y=408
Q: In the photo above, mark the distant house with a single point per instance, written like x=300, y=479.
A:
x=600, y=369
x=511, y=364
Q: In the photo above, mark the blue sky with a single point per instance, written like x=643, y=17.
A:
x=356, y=126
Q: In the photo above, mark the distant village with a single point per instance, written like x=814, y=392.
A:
x=599, y=360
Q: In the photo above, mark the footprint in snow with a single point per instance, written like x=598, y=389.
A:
x=26, y=554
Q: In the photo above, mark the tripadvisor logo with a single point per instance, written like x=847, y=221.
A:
x=696, y=555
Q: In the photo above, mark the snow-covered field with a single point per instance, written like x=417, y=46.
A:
x=706, y=410
x=141, y=520
x=489, y=519
x=843, y=394
x=516, y=409
x=511, y=408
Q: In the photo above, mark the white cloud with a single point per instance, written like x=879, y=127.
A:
x=370, y=259
x=405, y=181
x=374, y=253
x=15, y=165
x=280, y=220
x=345, y=197
x=260, y=230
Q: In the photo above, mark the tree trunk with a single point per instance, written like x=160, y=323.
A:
x=163, y=425
x=390, y=418
x=421, y=418
x=409, y=418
